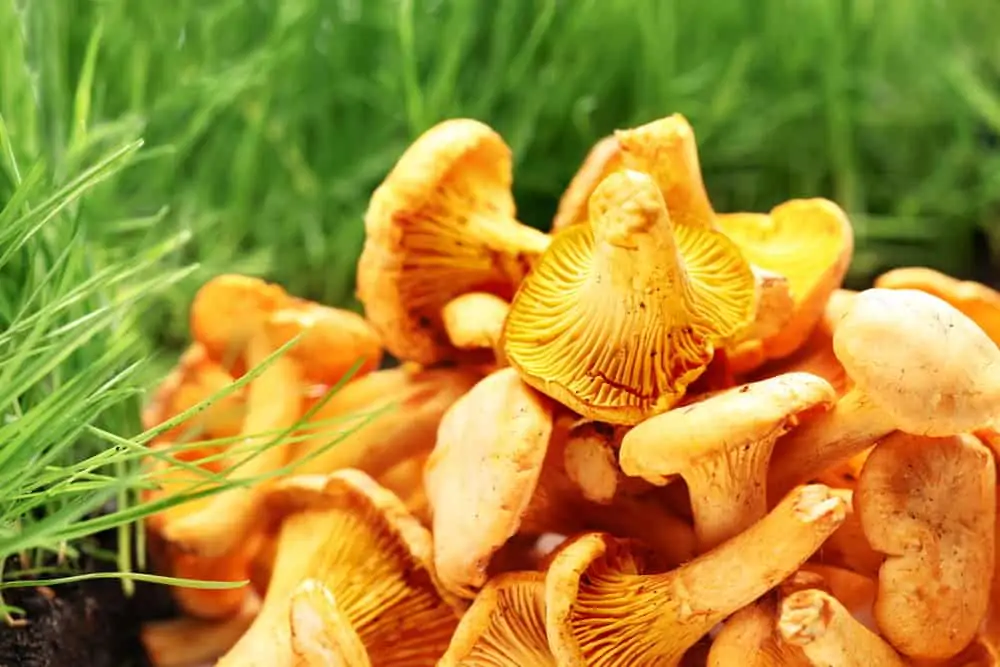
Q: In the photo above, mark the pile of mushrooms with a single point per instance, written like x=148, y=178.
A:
x=656, y=435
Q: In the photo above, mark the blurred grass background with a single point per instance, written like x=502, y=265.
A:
x=267, y=123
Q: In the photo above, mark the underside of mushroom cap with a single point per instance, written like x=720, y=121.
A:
x=621, y=315
x=440, y=225
x=504, y=626
x=810, y=242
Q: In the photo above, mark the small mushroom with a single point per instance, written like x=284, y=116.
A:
x=373, y=561
x=977, y=301
x=188, y=641
x=441, y=225
x=935, y=379
x=380, y=420
x=826, y=632
x=497, y=470
x=332, y=341
x=619, y=316
x=929, y=504
x=810, y=242
x=603, y=159
x=721, y=447
x=474, y=321
x=505, y=626
x=194, y=380
x=603, y=607
x=274, y=400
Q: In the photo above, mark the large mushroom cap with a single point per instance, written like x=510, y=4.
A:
x=810, y=242
x=621, y=315
x=356, y=539
x=939, y=375
x=482, y=474
x=440, y=225
x=504, y=626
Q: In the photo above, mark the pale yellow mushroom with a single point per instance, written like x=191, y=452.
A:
x=828, y=635
x=918, y=365
x=929, y=504
x=608, y=602
x=504, y=627
x=721, y=447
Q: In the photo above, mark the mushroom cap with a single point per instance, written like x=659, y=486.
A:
x=979, y=302
x=621, y=315
x=691, y=436
x=474, y=320
x=482, y=474
x=333, y=341
x=504, y=626
x=938, y=377
x=929, y=504
x=359, y=541
x=441, y=224
x=228, y=309
x=603, y=159
x=666, y=150
x=810, y=242
x=381, y=419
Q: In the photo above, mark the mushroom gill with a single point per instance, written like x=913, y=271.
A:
x=440, y=225
x=620, y=315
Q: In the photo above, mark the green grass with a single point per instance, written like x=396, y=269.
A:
x=267, y=124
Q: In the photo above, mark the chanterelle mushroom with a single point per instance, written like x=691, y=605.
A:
x=979, y=302
x=721, y=446
x=602, y=608
x=622, y=314
x=918, y=365
x=826, y=632
x=504, y=626
x=810, y=242
x=441, y=225
x=357, y=540
x=929, y=504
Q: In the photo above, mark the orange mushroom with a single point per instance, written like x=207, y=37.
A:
x=373, y=599
x=929, y=504
x=439, y=226
x=978, y=302
x=621, y=315
x=933, y=379
x=606, y=603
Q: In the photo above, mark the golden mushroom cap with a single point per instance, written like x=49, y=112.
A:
x=621, y=315
x=440, y=225
x=810, y=242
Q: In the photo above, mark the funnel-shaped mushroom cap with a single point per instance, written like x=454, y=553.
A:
x=482, y=474
x=826, y=632
x=602, y=609
x=229, y=309
x=603, y=159
x=621, y=315
x=331, y=343
x=475, y=320
x=440, y=225
x=504, y=626
x=195, y=379
x=666, y=150
x=381, y=419
x=929, y=504
x=810, y=242
x=977, y=301
x=938, y=377
x=360, y=543
x=721, y=446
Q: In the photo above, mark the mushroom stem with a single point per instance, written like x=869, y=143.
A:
x=854, y=423
x=475, y=321
x=655, y=618
x=828, y=634
x=320, y=632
